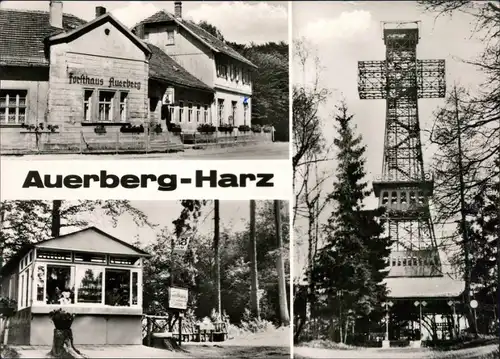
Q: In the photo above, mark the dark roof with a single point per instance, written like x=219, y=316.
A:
x=205, y=37
x=162, y=67
x=23, y=34
x=107, y=17
x=25, y=249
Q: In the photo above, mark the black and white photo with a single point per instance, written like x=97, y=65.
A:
x=150, y=279
x=144, y=79
x=395, y=165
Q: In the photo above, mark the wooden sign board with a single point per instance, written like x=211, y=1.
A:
x=181, y=245
x=177, y=298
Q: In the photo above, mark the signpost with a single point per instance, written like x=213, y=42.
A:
x=177, y=300
x=387, y=305
x=456, y=321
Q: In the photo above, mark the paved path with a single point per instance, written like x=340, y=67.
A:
x=399, y=353
x=264, y=151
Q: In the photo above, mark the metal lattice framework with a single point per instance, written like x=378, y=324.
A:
x=404, y=188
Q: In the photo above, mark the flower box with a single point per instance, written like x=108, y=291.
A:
x=128, y=128
x=244, y=128
x=226, y=128
x=206, y=128
x=175, y=128
x=100, y=129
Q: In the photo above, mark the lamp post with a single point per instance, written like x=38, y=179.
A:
x=474, y=304
x=420, y=305
x=387, y=305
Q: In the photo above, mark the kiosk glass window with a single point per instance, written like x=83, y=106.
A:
x=117, y=282
x=60, y=285
x=13, y=106
x=135, y=288
x=89, y=284
x=106, y=106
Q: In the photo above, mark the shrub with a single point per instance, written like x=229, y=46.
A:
x=267, y=129
x=226, y=128
x=173, y=127
x=256, y=128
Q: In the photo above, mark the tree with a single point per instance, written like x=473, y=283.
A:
x=254, y=292
x=285, y=317
x=211, y=29
x=350, y=268
x=26, y=222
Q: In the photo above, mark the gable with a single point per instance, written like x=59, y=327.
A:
x=104, y=36
x=91, y=240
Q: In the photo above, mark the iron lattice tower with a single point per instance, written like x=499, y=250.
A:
x=404, y=188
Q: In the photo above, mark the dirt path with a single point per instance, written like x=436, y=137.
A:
x=400, y=353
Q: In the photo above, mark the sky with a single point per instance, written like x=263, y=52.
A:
x=234, y=217
x=343, y=33
x=242, y=21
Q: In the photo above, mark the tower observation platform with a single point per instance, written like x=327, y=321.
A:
x=415, y=270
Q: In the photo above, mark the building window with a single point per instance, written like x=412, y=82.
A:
x=117, y=287
x=198, y=113
x=190, y=112
x=13, y=106
x=106, y=106
x=245, y=113
x=220, y=110
x=238, y=74
x=205, y=114
x=89, y=285
x=181, y=111
x=135, y=288
x=234, y=107
x=40, y=284
x=122, y=260
x=21, y=290
x=60, y=285
x=90, y=258
x=222, y=71
x=59, y=256
x=123, y=106
x=87, y=105
x=28, y=282
x=172, y=113
x=170, y=37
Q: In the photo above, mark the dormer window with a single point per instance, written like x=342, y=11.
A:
x=170, y=37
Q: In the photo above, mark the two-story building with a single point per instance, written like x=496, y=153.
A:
x=88, y=273
x=207, y=58
x=67, y=85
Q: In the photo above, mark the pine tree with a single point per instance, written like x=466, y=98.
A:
x=349, y=270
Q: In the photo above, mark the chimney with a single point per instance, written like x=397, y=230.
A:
x=178, y=9
x=99, y=11
x=56, y=14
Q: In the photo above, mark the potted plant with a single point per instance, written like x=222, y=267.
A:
x=7, y=306
x=100, y=129
x=227, y=128
x=62, y=344
x=244, y=128
x=206, y=128
x=256, y=129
